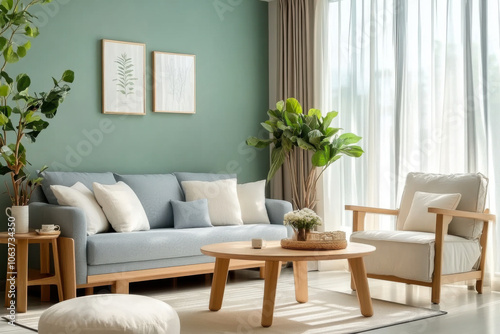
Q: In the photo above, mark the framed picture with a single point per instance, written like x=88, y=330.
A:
x=123, y=78
x=174, y=82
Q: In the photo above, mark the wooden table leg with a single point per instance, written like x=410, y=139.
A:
x=362, y=288
x=22, y=275
x=7, y=286
x=271, y=281
x=57, y=270
x=218, y=284
x=300, y=278
x=44, y=269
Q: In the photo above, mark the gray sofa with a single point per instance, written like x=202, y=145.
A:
x=119, y=258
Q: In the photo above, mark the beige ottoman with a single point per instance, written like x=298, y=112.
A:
x=110, y=313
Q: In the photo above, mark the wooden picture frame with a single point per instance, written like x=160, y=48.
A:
x=174, y=82
x=123, y=78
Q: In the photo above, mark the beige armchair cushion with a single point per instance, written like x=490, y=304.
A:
x=420, y=219
x=415, y=254
x=472, y=187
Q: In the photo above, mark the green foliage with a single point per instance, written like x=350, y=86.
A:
x=292, y=129
x=125, y=84
x=22, y=112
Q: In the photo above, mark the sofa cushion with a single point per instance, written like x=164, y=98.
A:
x=82, y=197
x=473, y=188
x=108, y=248
x=410, y=255
x=420, y=219
x=70, y=178
x=252, y=198
x=206, y=177
x=155, y=191
x=121, y=206
x=223, y=205
x=191, y=214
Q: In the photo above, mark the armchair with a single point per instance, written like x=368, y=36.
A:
x=449, y=253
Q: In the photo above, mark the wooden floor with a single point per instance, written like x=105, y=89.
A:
x=468, y=312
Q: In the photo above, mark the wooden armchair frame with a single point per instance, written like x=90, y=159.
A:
x=358, y=224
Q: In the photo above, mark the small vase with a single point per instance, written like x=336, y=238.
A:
x=301, y=234
x=20, y=216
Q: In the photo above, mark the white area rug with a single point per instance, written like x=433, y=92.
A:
x=326, y=312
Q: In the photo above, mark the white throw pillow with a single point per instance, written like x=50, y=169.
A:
x=79, y=196
x=419, y=219
x=222, y=196
x=252, y=198
x=122, y=207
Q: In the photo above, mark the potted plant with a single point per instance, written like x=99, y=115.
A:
x=21, y=112
x=302, y=222
x=292, y=132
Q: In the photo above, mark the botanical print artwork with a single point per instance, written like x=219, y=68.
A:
x=174, y=82
x=123, y=78
x=125, y=75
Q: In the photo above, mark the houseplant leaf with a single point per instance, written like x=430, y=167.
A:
x=277, y=160
x=23, y=82
x=349, y=138
x=258, y=143
x=328, y=119
x=68, y=76
x=293, y=106
x=314, y=112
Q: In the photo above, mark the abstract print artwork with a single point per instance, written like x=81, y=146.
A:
x=123, y=78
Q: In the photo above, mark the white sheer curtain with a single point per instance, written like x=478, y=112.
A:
x=419, y=81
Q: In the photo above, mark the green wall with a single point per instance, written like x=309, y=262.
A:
x=229, y=39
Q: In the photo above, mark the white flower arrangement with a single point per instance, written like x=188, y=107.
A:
x=302, y=219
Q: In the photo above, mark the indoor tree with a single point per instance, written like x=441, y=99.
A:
x=293, y=132
x=22, y=114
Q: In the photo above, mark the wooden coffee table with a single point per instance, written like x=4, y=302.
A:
x=273, y=255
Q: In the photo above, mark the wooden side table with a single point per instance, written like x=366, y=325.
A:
x=42, y=277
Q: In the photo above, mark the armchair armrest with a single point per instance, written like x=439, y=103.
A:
x=359, y=213
x=486, y=217
x=368, y=209
x=73, y=225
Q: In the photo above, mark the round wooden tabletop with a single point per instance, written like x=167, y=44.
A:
x=32, y=235
x=273, y=251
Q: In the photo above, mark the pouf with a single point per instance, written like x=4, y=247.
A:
x=110, y=313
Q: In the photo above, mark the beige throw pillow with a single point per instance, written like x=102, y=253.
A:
x=222, y=196
x=79, y=196
x=419, y=219
x=252, y=198
x=121, y=206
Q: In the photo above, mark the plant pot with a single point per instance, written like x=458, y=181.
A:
x=301, y=234
x=20, y=216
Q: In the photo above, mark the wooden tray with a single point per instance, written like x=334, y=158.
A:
x=313, y=244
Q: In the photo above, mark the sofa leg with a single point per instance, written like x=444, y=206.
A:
x=262, y=272
x=120, y=287
x=89, y=291
x=66, y=248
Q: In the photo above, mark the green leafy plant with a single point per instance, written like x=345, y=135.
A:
x=293, y=131
x=125, y=72
x=21, y=112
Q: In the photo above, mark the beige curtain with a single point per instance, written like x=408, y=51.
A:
x=295, y=37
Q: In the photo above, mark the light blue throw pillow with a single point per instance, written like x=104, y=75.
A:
x=191, y=214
